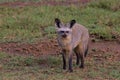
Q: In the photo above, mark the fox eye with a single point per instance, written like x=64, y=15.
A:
x=61, y=31
x=67, y=31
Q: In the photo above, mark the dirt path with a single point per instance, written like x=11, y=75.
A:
x=51, y=47
x=45, y=2
x=39, y=48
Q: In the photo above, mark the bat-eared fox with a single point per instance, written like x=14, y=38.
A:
x=72, y=38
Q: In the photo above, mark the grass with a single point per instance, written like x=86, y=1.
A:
x=28, y=24
x=49, y=68
x=106, y=4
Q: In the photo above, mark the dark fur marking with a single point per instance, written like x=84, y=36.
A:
x=86, y=52
x=64, y=61
x=64, y=58
x=77, y=58
x=57, y=21
x=72, y=22
x=82, y=62
x=70, y=64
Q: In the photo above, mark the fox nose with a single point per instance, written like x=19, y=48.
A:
x=64, y=36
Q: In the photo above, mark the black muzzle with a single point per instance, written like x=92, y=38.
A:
x=64, y=36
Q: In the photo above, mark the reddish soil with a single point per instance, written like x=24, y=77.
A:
x=108, y=50
x=52, y=2
x=100, y=49
x=39, y=48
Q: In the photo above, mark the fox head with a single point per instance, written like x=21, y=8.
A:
x=64, y=30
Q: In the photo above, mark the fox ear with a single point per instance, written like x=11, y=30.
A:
x=72, y=22
x=57, y=22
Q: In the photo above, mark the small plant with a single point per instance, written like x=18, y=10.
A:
x=29, y=61
x=94, y=49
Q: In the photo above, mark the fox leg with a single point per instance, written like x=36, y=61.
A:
x=77, y=59
x=77, y=56
x=70, y=61
x=82, y=61
x=64, y=58
x=86, y=47
x=81, y=50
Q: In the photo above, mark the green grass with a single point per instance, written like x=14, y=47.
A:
x=29, y=24
x=50, y=68
x=106, y=4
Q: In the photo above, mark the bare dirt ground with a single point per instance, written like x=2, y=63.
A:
x=50, y=47
x=45, y=2
x=40, y=48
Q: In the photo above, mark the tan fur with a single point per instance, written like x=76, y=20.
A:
x=80, y=37
x=77, y=41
